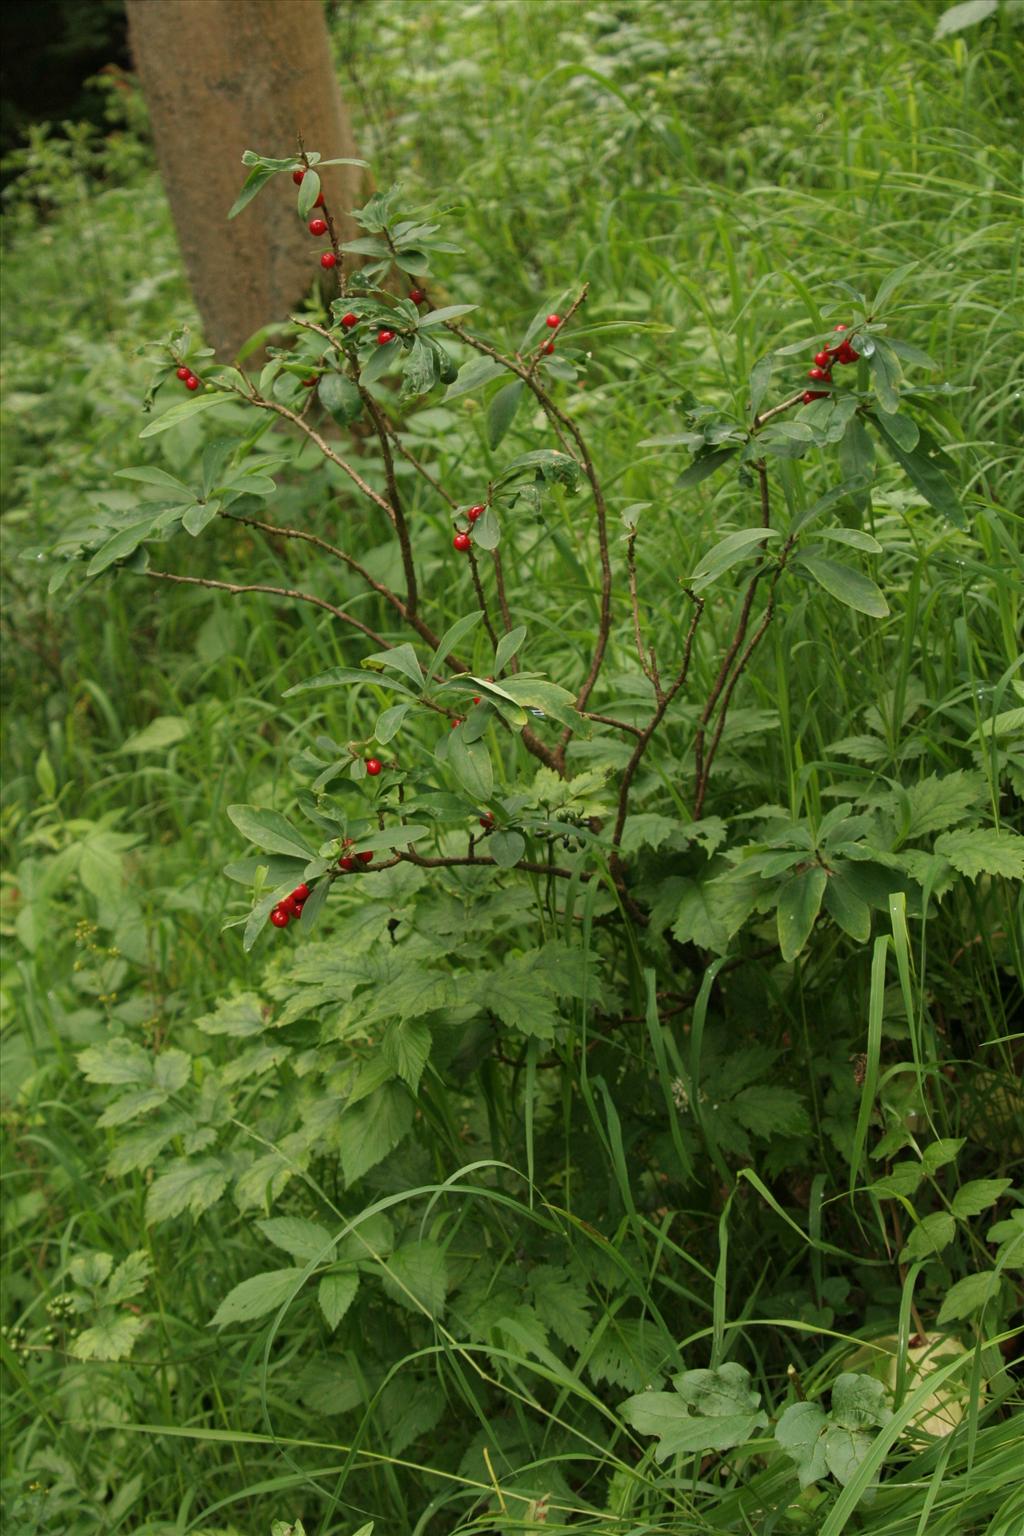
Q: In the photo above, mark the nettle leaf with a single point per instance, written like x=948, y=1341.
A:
x=406, y=1048
x=186, y=1186
x=929, y=1237
x=941, y=800
x=371, y=1129
x=256, y=1297
x=116, y=1061
x=304, y=1240
x=977, y=1195
x=336, y=1293
x=270, y=830
x=416, y=1277
x=562, y=1305
x=938, y=1153
x=770, y=1111
x=983, y=851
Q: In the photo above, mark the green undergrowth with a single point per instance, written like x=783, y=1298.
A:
x=477, y=1209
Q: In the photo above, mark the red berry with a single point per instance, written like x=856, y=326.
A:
x=813, y=394
x=553, y=321
x=297, y=909
x=373, y=766
x=548, y=348
x=846, y=354
x=300, y=892
x=319, y=200
x=818, y=373
x=462, y=542
x=822, y=359
x=348, y=864
x=366, y=857
x=476, y=698
x=841, y=327
x=280, y=917
x=474, y=512
x=317, y=227
x=310, y=383
x=297, y=175
x=383, y=337
x=184, y=373
x=417, y=296
x=487, y=822
x=349, y=320
x=457, y=721
x=328, y=260
x=191, y=382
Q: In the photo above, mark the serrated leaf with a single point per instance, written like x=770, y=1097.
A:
x=562, y=1305
x=406, y=1049
x=304, y=1240
x=941, y=800
x=371, y=1129
x=336, y=1293
x=929, y=1237
x=112, y=1337
x=256, y=1297
x=116, y=1062
x=968, y=1296
x=938, y=1153
x=770, y=1111
x=417, y=1277
x=983, y=851
x=799, y=904
x=977, y=1195
x=186, y=1186
x=270, y=831
x=849, y=586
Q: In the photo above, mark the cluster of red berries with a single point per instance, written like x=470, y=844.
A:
x=317, y=227
x=821, y=373
x=462, y=541
x=291, y=907
x=552, y=322
x=348, y=861
x=187, y=377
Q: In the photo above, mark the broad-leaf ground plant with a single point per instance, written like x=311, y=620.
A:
x=514, y=1071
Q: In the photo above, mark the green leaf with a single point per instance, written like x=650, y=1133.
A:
x=336, y=1293
x=938, y=1153
x=258, y=1296
x=967, y=14
x=846, y=908
x=710, y=912
x=537, y=693
x=968, y=1296
x=306, y=1241
x=562, y=1305
x=406, y=1048
x=186, y=1186
x=800, y=1432
x=382, y=360
x=309, y=191
x=703, y=467
x=195, y=518
x=902, y=1179
x=112, y=1337
x=474, y=374
x=506, y=848
x=340, y=397
x=849, y=586
x=983, y=851
x=183, y=411
x=149, y=474
x=665, y=1415
x=470, y=761
x=767, y=1110
x=799, y=904
x=889, y=284
x=400, y=658
x=437, y=317
x=941, y=800
x=371, y=1129
x=254, y=182
x=120, y=546
x=508, y=645
x=887, y=374
x=389, y=722
x=342, y=677
x=859, y=1402
x=853, y=538
x=163, y=732
x=453, y=637
x=925, y=476
x=417, y=1277
x=269, y=830
x=116, y=1062
x=760, y=379
x=502, y=410
x=736, y=547
x=845, y=1450
x=929, y=1237
x=977, y=1195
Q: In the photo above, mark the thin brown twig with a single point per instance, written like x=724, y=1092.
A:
x=481, y=597
x=235, y=588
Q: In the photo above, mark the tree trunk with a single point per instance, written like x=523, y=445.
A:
x=220, y=77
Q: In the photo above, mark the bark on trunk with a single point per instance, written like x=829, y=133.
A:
x=220, y=77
